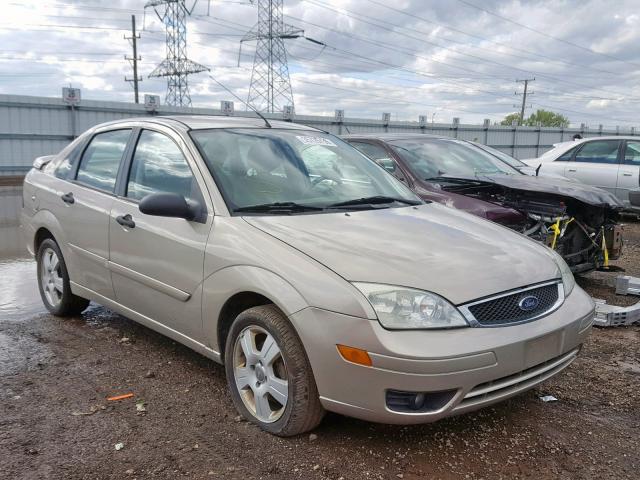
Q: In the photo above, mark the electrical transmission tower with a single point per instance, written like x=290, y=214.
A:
x=176, y=67
x=270, y=89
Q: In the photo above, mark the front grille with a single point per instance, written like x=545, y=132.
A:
x=506, y=309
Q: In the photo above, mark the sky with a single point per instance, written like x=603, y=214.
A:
x=440, y=58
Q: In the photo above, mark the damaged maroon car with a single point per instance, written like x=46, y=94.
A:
x=580, y=222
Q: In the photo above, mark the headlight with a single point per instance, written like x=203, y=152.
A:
x=567, y=277
x=406, y=308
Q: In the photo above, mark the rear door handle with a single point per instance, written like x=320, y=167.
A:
x=126, y=221
x=572, y=170
x=627, y=174
x=68, y=198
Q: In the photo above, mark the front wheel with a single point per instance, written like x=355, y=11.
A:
x=269, y=375
x=53, y=282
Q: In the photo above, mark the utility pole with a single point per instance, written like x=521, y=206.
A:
x=524, y=97
x=134, y=60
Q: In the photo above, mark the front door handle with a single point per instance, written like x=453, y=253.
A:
x=68, y=198
x=572, y=170
x=126, y=221
x=627, y=174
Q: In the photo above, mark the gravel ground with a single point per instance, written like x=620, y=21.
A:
x=55, y=422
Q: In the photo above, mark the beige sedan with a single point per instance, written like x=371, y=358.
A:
x=320, y=281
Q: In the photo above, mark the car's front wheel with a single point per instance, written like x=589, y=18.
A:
x=269, y=375
x=53, y=282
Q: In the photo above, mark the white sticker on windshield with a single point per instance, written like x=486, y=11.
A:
x=315, y=141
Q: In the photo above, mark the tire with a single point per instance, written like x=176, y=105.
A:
x=53, y=282
x=259, y=375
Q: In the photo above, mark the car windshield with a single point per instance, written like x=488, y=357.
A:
x=438, y=158
x=271, y=170
x=508, y=159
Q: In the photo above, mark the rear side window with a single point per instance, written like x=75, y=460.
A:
x=632, y=153
x=377, y=154
x=603, y=151
x=101, y=160
x=159, y=166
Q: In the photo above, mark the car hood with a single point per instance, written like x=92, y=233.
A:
x=430, y=247
x=555, y=186
x=529, y=170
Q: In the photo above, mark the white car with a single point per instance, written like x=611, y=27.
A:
x=519, y=164
x=611, y=163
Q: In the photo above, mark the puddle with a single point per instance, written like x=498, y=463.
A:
x=19, y=297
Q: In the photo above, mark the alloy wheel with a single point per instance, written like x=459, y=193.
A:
x=51, y=277
x=260, y=374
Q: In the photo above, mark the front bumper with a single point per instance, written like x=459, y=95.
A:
x=481, y=365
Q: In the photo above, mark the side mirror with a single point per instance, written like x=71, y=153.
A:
x=167, y=205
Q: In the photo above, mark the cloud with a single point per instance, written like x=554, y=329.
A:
x=408, y=57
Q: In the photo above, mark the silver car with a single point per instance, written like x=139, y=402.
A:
x=611, y=163
x=319, y=280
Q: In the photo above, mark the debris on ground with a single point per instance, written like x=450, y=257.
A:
x=627, y=285
x=150, y=374
x=141, y=407
x=614, y=316
x=92, y=410
x=124, y=340
x=120, y=397
x=119, y=446
x=313, y=437
x=548, y=398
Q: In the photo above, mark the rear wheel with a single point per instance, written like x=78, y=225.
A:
x=53, y=282
x=269, y=375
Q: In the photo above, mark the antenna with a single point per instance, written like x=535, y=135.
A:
x=266, y=122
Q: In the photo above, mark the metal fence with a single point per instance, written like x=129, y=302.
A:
x=34, y=126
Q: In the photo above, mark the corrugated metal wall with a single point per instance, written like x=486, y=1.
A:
x=34, y=126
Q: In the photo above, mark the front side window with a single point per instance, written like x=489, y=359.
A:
x=266, y=166
x=101, y=160
x=378, y=155
x=632, y=153
x=603, y=151
x=158, y=166
x=566, y=156
x=435, y=159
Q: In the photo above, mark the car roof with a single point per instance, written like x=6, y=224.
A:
x=561, y=148
x=394, y=136
x=203, y=122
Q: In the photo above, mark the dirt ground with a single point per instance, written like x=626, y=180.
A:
x=55, y=422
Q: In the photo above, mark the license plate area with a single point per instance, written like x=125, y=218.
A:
x=543, y=348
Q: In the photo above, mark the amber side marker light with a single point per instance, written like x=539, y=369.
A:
x=355, y=355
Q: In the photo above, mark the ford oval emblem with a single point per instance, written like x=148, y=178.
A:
x=529, y=303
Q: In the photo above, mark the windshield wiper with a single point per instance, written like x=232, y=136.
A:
x=451, y=179
x=278, y=207
x=377, y=199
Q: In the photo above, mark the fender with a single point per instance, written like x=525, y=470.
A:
x=226, y=282
x=46, y=219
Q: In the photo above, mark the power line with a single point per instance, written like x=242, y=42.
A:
x=544, y=34
x=483, y=39
x=359, y=16
x=413, y=54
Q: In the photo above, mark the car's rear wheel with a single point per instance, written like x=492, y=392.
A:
x=53, y=282
x=269, y=375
